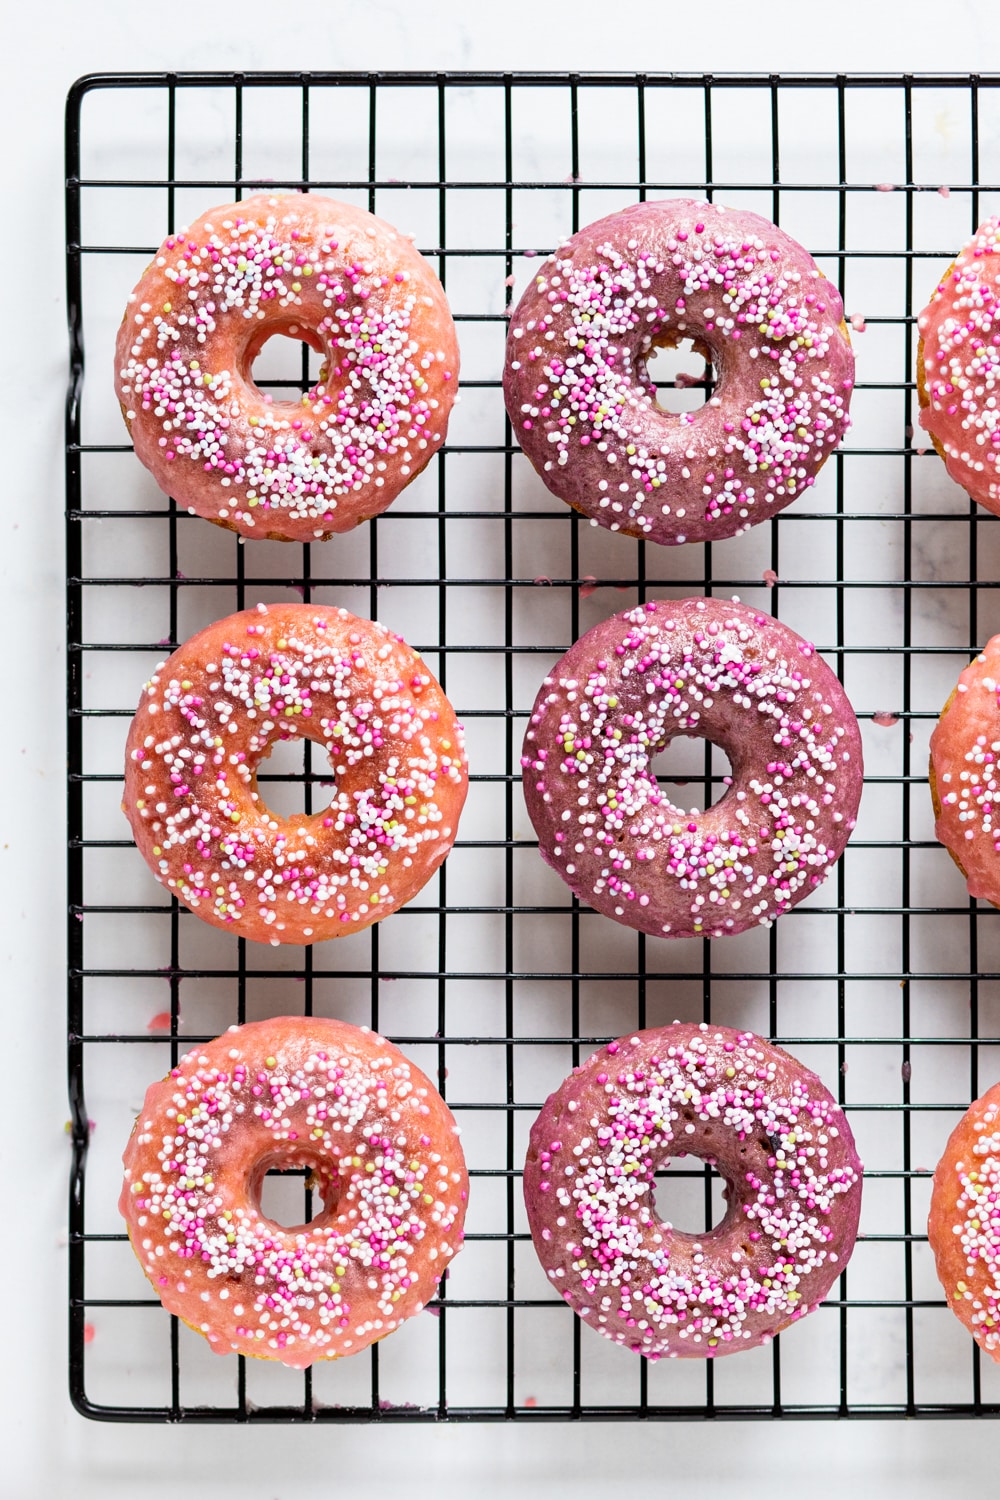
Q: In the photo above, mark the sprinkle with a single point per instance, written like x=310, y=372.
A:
x=885, y=719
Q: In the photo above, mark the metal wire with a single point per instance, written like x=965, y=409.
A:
x=511, y=981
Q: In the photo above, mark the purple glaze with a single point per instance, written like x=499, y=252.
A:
x=719, y=671
x=772, y=1130
x=584, y=410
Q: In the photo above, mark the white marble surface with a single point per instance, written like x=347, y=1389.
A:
x=47, y=1449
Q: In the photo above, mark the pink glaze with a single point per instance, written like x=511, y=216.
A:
x=212, y=713
x=719, y=671
x=327, y=273
x=582, y=404
x=965, y=783
x=959, y=374
x=772, y=1130
x=383, y=1150
x=963, y=1226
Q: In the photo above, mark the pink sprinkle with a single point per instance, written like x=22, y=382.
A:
x=885, y=719
x=858, y=323
x=542, y=579
x=945, y=192
x=160, y=1022
x=770, y=577
x=529, y=254
x=509, y=281
x=88, y=1333
x=531, y=1400
x=588, y=584
x=885, y=187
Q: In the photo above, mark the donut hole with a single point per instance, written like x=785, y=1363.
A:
x=295, y=778
x=679, y=374
x=292, y=1196
x=283, y=362
x=690, y=772
x=689, y=1195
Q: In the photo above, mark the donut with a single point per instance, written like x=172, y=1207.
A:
x=583, y=405
x=770, y=1128
x=963, y=1225
x=958, y=366
x=346, y=283
x=720, y=671
x=963, y=774
x=214, y=710
x=381, y=1148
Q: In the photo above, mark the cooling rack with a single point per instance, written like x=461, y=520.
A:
x=495, y=980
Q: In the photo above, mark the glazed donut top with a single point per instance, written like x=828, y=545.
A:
x=295, y=1092
x=965, y=773
x=724, y=672
x=776, y=1135
x=584, y=409
x=327, y=273
x=212, y=712
x=959, y=366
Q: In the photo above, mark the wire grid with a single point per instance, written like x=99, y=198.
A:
x=495, y=979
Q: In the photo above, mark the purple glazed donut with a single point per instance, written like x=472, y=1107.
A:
x=772, y=1130
x=719, y=671
x=582, y=403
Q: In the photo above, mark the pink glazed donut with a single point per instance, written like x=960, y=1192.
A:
x=963, y=1225
x=332, y=275
x=383, y=1150
x=958, y=366
x=210, y=716
x=773, y=1131
x=964, y=777
x=719, y=671
x=583, y=406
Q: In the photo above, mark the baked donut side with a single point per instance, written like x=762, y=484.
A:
x=211, y=714
x=723, y=672
x=770, y=1128
x=963, y=774
x=583, y=407
x=329, y=274
x=963, y=1225
x=383, y=1152
x=958, y=366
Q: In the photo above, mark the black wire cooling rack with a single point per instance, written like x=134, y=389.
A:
x=494, y=979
